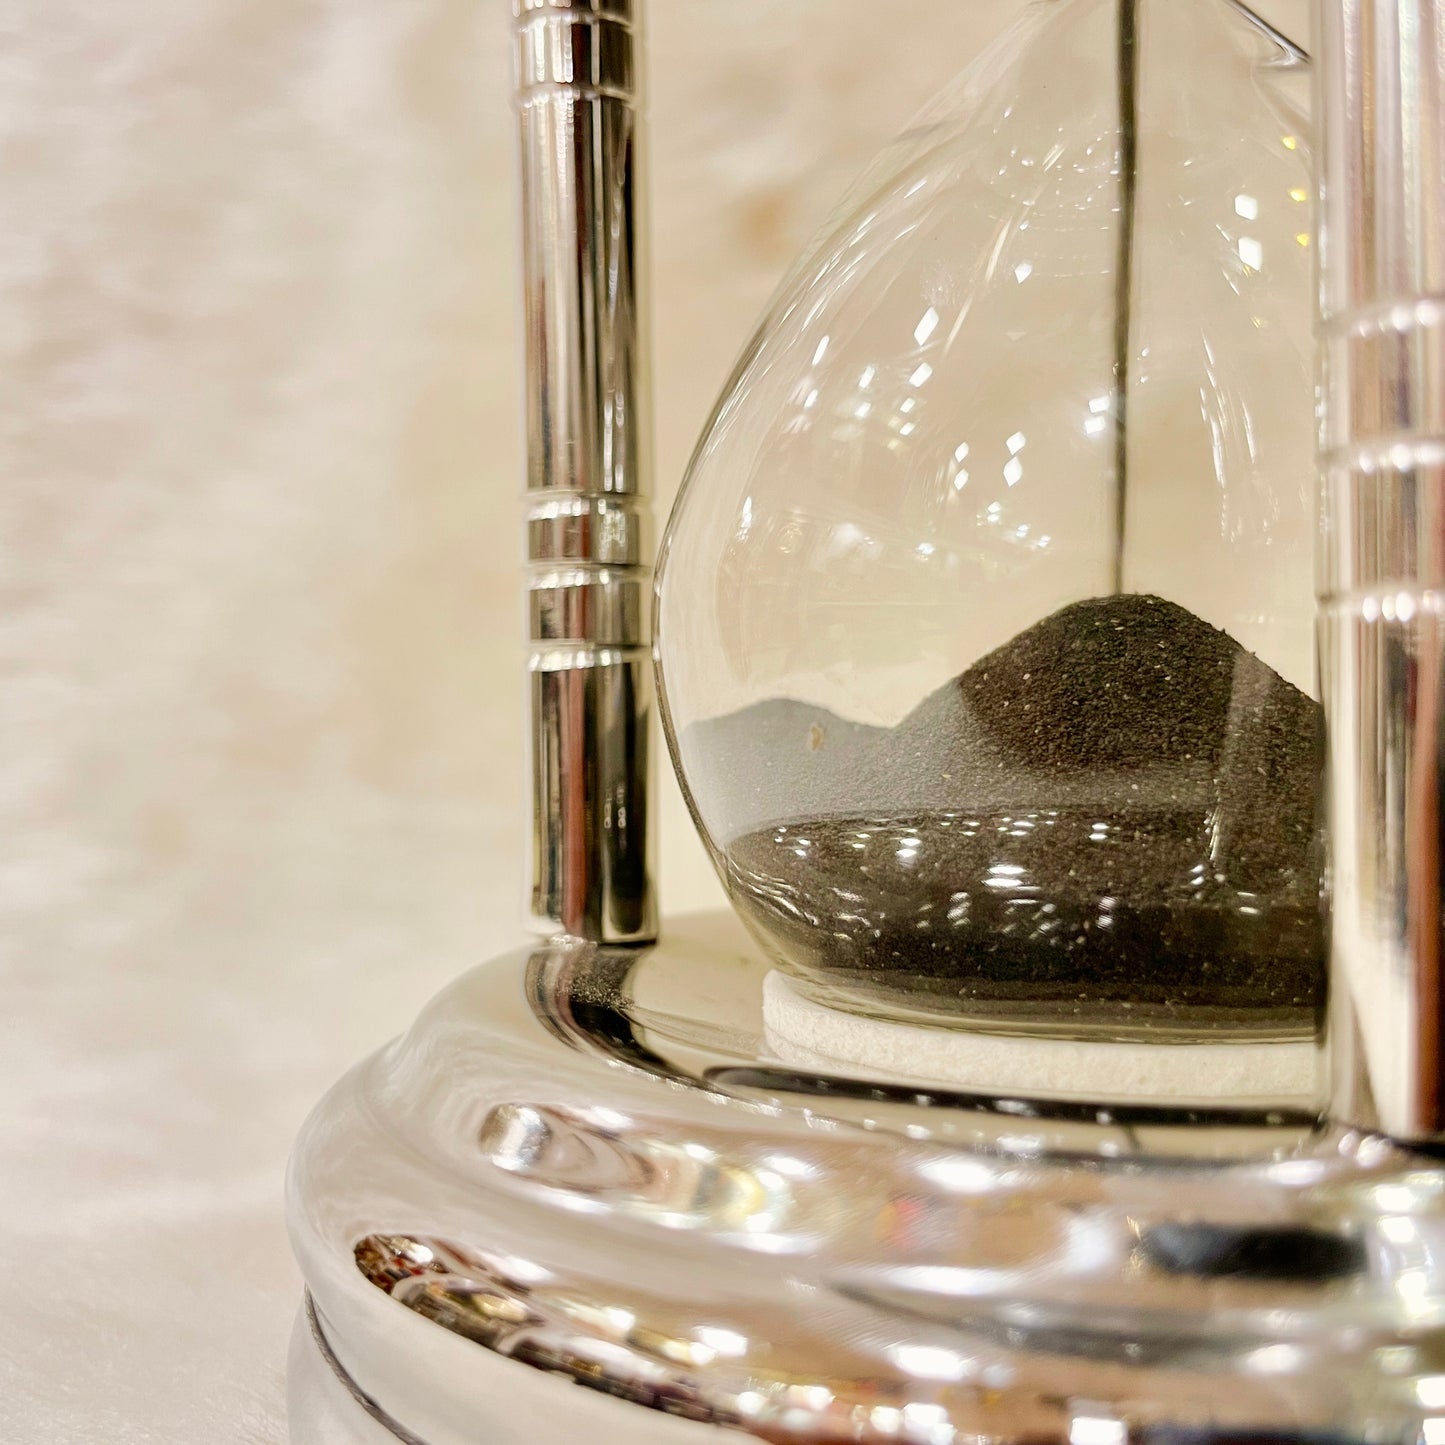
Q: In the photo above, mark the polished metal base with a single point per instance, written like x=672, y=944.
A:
x=580, y=1199
x=324, y=1406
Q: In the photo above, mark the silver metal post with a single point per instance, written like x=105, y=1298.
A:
x=589, y=547
x=1382, y=614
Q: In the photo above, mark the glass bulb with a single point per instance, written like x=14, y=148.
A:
x=985, y=611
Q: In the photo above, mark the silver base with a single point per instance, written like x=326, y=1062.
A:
x=581, y=1200
x=324, y=1406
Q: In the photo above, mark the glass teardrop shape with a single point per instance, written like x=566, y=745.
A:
x=985, y=611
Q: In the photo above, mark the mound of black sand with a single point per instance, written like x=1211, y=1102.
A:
x=1120, y=682
x=1112, y=820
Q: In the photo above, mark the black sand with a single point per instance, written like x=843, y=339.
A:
x=1112, y=819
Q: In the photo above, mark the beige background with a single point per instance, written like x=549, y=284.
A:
x=260, y=624
x=260, y=628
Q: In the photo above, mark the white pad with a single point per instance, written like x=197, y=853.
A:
x=803, y=1033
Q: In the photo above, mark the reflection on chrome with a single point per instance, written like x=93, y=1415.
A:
x=799, y=1256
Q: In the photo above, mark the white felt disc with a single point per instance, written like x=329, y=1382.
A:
x=804, y=1033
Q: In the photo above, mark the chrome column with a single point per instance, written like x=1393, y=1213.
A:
x=589, y=547
x=1382, y=614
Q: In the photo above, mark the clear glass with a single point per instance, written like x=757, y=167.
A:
x=985, y=613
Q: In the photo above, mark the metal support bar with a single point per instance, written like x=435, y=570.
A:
x=1381, y=83
x=589, y=546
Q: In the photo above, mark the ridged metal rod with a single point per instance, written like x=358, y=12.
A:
x=589, y=547
x=1381, y=73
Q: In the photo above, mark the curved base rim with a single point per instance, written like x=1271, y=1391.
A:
x=581, y=1193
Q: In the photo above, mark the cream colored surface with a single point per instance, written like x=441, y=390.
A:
x=260, y=626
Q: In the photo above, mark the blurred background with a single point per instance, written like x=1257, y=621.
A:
x=260, y=511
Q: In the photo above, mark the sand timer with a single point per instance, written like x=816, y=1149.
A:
x=986, y=610
x=985, y=638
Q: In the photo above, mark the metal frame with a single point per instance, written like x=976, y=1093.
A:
x=1382, y=608
x=589, y=541
x=582, y=1198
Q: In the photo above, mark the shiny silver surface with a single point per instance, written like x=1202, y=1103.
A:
x=581, y=1195
x=325, y=1406
x=589, y=546
x=1382, y=559
x=582, y=1198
